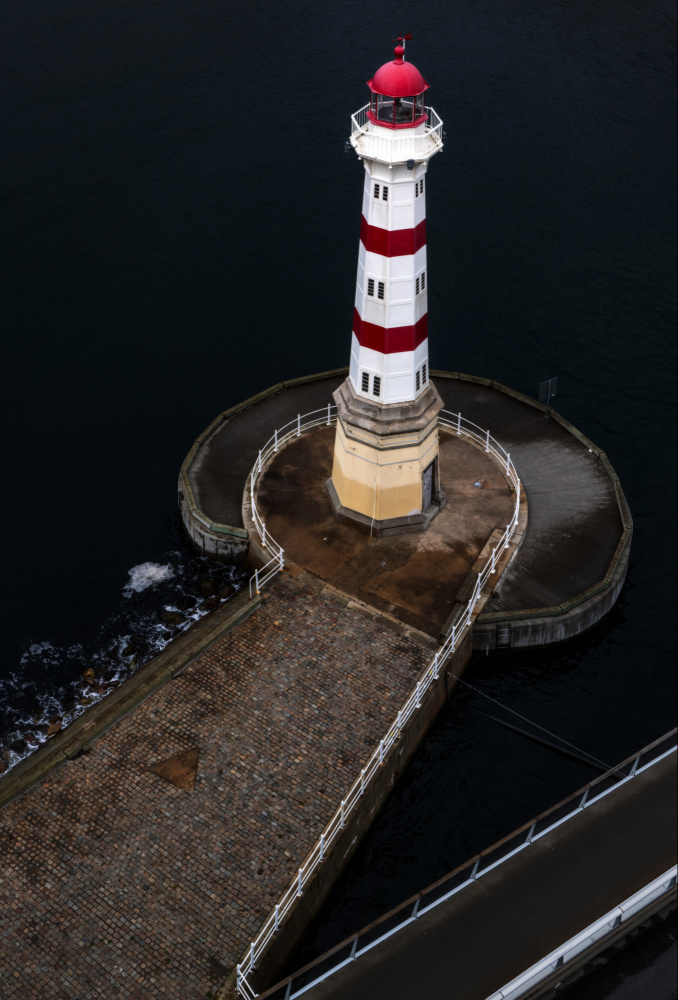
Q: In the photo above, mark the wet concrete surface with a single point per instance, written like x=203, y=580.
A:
x=574, y=523
x=414, y=576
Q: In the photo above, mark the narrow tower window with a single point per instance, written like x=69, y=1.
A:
x=417, y=382
x=376, y=190
x=421, y=186
x=416, y=287
x=424, y=373
x=376, y=386
x=380, y=290
x=365, y=382
x=423, y=280
x=370, y=286
x=384, y=193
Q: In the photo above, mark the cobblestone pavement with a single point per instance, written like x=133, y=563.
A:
x=115, y=883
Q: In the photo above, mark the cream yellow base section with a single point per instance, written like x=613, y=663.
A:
x=382, y=482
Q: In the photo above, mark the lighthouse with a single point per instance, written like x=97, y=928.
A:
x=385, y=474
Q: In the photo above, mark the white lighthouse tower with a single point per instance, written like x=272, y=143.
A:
x=385, y=471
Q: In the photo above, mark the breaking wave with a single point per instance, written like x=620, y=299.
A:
x=146, y=575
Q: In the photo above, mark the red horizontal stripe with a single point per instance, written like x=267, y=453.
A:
x=392, y=242
x=389, y=341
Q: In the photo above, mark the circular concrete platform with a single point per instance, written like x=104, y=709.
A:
x=573, y=560
x=415, y=576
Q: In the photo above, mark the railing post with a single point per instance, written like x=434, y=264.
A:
x=263, y=537
x=256, y=580
x=362, y=782
x=494, y=560
x=584, y=798
x=470, y=612
x=355, y=947
x=459, y=422
x=454, y=636
x=487, y=441
x=418, y=694
x=252, y=956
x=299, y=889
x=260, y=460
x=381, y=753
x=328, y=414
x=399, y=723
x=277, y=917
x=632, y=772
x=475, y=870
x=275, y=438
x=508, y=535
x=530, y=834
x=508, y=463
x=436, y=666
x=322, y=846
x=298, y=424
x=415, y=911
x=343, y=817
x=282, y=560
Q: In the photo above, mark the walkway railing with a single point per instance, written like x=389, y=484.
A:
x=464, y=877
x=294, y=428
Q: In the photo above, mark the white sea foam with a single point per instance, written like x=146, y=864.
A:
x=146, y=575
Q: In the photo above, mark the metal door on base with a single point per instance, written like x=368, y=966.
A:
x=427, y=482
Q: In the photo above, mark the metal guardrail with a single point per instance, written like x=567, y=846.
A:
x=279, y=438
x=464, y=877
x=392, y=145
x=581, y=942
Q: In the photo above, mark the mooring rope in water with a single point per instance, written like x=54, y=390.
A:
x=608, y=767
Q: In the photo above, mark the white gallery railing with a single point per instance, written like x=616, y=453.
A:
x=393, y=145
x=328, y=415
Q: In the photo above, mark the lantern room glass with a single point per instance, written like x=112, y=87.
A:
x=397, y=110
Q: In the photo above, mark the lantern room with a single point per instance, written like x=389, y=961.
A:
x=398, y=90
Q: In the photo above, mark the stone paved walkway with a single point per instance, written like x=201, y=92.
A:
x=115, y=883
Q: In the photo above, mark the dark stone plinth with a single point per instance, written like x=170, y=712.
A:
x=387, y=419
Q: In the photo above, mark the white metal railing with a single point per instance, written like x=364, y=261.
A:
x=327, y=415
x=392, y=145
x=596, y=931
x=463, y=878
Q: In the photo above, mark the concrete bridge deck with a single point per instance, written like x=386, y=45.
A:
x=477, y=941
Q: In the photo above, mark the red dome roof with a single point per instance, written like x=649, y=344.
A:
x=398, y=78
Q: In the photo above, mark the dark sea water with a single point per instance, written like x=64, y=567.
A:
x=181, y=229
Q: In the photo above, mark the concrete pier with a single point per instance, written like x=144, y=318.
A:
x=143, y=846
